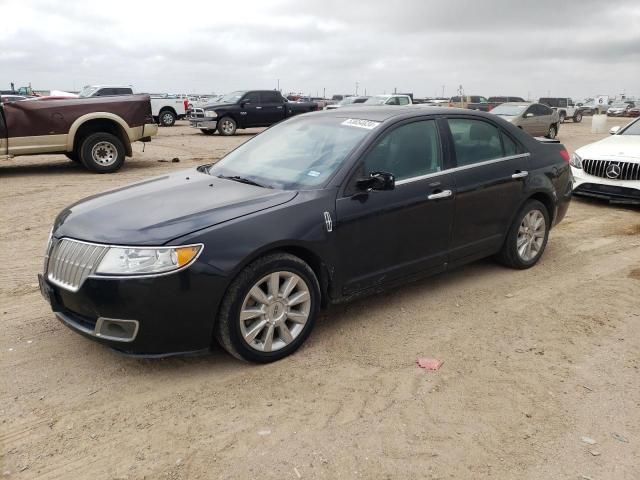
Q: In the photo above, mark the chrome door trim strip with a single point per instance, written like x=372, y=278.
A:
x=464, y=167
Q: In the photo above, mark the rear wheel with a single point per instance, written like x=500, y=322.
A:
x=527, y=237
x=167, y=118
x=102, y=152
x=227, y=126
x=563, y=115
x=269, y=309
x=552, y=132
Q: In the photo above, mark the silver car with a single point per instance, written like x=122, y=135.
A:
x=534, y=118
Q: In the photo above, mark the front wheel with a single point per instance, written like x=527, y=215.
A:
x=577, y=118
x=227, y=126
x=527, y=236
x=552, y=132
x=102, y=152
x=269, y=309
x=562, y=116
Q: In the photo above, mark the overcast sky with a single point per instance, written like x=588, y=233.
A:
x=492, y=47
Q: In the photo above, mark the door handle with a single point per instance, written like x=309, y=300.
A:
x=520, y=174
x=280, y=107
x=258, y=108
x=442, y=194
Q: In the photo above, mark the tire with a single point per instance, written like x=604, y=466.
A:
x=231, y=332
x=73, y=156
x=102, y=152
x=577, y=118
x=208, y=131
x=563, y=115
x=227, y=126
x=167, y=118
x=532, y=211
x=552, y=132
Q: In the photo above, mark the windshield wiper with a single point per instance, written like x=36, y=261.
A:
x=238, y=178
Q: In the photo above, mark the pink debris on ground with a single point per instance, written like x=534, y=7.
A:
x=429, y=363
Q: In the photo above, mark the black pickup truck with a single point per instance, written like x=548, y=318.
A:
x=245, y=109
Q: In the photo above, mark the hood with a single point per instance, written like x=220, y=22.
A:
x=160, y=209
x=615, y=146
x=213, y=106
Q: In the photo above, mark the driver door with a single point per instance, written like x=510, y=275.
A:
x=384, y=236
x=251, y=110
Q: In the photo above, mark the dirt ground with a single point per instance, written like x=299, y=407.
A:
x=533, y=362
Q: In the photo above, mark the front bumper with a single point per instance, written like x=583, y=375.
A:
x=204, y=123
x=616, y=191
x=151, y=316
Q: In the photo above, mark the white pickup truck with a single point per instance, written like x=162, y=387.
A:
x=164, y=108
x=394, y=99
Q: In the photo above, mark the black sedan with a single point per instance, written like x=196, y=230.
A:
x=318, y=209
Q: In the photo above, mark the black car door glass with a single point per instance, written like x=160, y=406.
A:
x=475, y=141
x=410, y=150
x=252, y=98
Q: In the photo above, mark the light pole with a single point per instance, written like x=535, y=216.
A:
x=357, y=84
x=278, y=84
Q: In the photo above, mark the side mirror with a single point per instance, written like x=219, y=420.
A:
x=614, y=130
x=377, y=181
x=528, y=115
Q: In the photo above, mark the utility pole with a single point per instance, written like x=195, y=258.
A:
x=357, y=84
x=442, y=91
x=395, y=90
x=278, y=84
x=324, y=92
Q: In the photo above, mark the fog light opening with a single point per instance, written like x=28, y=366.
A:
x=117, y=330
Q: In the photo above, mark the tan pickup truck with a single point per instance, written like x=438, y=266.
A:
x=97, y=132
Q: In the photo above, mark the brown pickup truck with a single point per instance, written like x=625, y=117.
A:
x=97, y=132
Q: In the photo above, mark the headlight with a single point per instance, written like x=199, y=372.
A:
x=210, y=114
x=146, y=261
x=576, y=160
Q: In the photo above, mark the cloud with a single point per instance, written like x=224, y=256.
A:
x=491, y=47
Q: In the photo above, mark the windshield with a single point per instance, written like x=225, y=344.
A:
x=232, y=97
x=509, y=110
x=377, y=100
x=633, y=129
x=87, y=91
x=303, y=152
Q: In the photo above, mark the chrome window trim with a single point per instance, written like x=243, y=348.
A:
x=463, y=167
x=128, y=277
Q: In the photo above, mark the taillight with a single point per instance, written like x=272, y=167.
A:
x=186, y=104
x=565, y=155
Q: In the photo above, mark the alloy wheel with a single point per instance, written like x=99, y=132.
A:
x=227, y=127
x=531, y=235
x=275, y=311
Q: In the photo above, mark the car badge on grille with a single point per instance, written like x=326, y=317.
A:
x=613, y=170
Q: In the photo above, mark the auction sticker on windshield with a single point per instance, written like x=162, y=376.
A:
x=356, y=122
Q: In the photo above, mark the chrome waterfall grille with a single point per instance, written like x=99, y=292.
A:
x=70, y=262
x=612, y=169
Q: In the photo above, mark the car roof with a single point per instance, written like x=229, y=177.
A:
x=518, y=103
x=386, y=112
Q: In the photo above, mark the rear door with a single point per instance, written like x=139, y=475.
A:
x=272, y=105
x=385, y=236
x=489, y=176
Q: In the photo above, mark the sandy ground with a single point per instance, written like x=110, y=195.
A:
x=534, y=361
